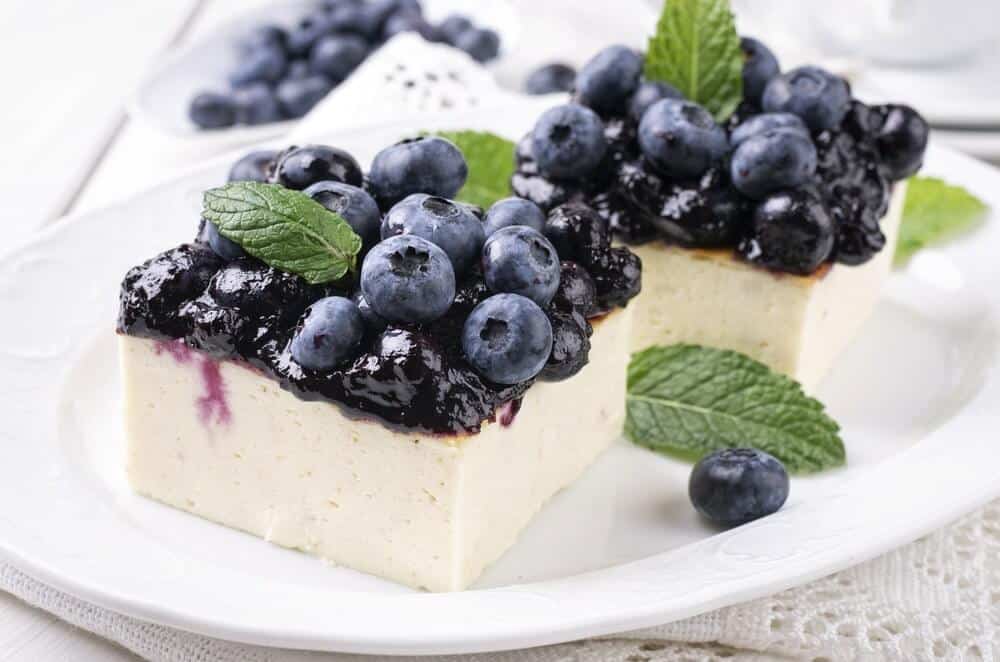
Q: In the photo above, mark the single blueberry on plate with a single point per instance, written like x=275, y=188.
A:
x=790, y=231
x=767, y=122
x=568, y=141
x=266, y=64
x=738, y=485
x=549, y=78
x=431, y=165
x=336, y=56
x=481, y=44
x=607, y=81
x=449, y=225
x=650, y=92
x=452, y=26
x=570, y=348
x=407, y=279
x=681, y=138
x=514, y=211
x=507, y=339
x=771, y=161
x=759, y=67
x=353, y=204
x=225, y=248
x=300, y=167
x=253, y=167
x=375, y=322
x=211, y=110
x=257, y=104
x=329, y=334
x=521, y=260
x=901, y=140
x=298, y=96
x=817, y=96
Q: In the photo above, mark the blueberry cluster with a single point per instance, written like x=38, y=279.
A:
x=800, y=175
x=282, y=73
x=456, y=310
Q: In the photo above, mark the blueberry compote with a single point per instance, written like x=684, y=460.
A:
x=413, y=375
x=666, y=171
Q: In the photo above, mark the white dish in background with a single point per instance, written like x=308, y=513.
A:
x=621, y=549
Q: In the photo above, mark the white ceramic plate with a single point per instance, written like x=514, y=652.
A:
x=916, y=394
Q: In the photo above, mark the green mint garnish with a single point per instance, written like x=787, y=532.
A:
x=687, y=401
x=697, y=50
x=286, y=229
x=491, y=163
x=935, y=211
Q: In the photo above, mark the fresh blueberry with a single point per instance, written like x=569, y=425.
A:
x=253, y=167
x=902, y=140
x=407, y=279
x=430, y=165
x=771, y=161
x=409, y=21
x=300, y=167
x=298, y=96
x=579, y=234
x=680, y=138
x=608, y=80
x=297, y=70
x=336, y=56
x=450, y=226
x=549, y=78
x=373, y=17
x=759, y=67
x=767, y=122
x=507, y=339
x=817, y=96
x=329, y=334
x=225, y=248
x=211, y=110
x=266, y=64
x=452, y=26
x=568, y=141
x=514, y=211
x=577, y=291
x=482, y=44
x=738, y=485
x=520, y=260
x=353, y=204
x=264, y=35
x=307, y=31
x=648, y=93
x=790, y=231
x=373, y=320
x=257, y=104
x=570, y=348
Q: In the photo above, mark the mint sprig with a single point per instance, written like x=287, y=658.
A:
x=687, y=401
x=934, y=212
x=491, y=164
x=697, y=50
x=286, y=229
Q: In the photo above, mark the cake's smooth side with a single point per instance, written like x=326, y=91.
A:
x=430, y=512
x=797, y=325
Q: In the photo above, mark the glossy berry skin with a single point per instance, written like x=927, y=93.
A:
x=680, y=138
x=353, y=204
x=550, y=78
x=407, y=279
x=225, y=248
x=771, y=161
x=481, y=44
x=759, y=67
x=257, y=104
x=373, y=321
x=520, y=260
x=606, y=82
x=648, y=93
x=568, y=141
x=266, y=64
x=452, y=26
x=901, y=140
x=570, y=348
x=576, y=291
x=211, y=110
x=791, y=231
x=253, y=167
x=450, y=226
x=300, y=167
x=767, y=122
x=430, y=165
x=513, y=211
x=814, y=94
x=738, y=485
x=329, y=334
x=507, y=339
x=579, y=234
x=298, y=96
x=336, y=56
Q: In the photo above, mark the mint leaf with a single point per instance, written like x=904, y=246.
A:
x=697, y=50
x=935, y=211
x=687, y=401
x=286, y=229
x=491, y=164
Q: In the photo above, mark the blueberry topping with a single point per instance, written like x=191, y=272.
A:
x=902, y=140
x=580, y=235
x=210, y=110
x=817, y=96
x=507, y=339
x=225, y=248
x=453, y=26
x=791, y=231
x=568, y=141
x=450, y=226
x=353, y=204
x=606, y=82
x=264, y=35
x=266, y=64
x=681, y=138
x=621, y=281
x=576, y=291
x=430, y=165
x=759, y=67
x=409, y=21
x=336, y=56
x=513, y=211
x=481, y=44
x=408, y=279
x=521, y=260
x=738, y=485
x=257, y=104
x=373, y=321
x=570, y=348
x=771, y=161
x=550, y=78
x=298, y=96
x=300, y=167
x=767, y=122
x=329, y=334
x=650, y=92
x=306, y=32
x=253, y=167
